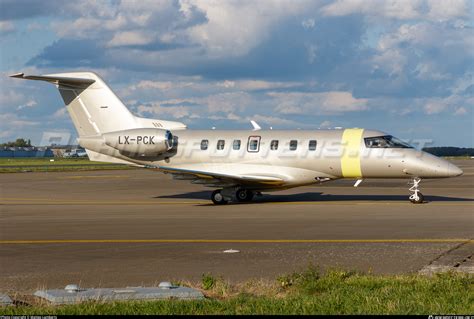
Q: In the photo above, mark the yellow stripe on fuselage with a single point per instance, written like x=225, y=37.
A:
x=350, y=160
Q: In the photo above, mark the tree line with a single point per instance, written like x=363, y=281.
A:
x=20, y=142
x=450, y=151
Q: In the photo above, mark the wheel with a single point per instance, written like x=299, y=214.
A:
x=417, y=199
x=217, y=197
x=244, y=195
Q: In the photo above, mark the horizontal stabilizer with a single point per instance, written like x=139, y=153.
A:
x=56, y=79
x=98, y=157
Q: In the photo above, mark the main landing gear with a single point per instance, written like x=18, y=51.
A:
x=223, y=196
x=244, y=195
x=416, y=197
x=217, y=198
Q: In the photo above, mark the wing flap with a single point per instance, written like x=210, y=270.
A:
x=212, y=176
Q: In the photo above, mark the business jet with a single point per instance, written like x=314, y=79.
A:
x=238, y=163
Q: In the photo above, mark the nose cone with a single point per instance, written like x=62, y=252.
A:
x=442, y=168
x=430, y=166
x=454, y=170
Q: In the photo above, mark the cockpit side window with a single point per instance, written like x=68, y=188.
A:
x=386, y=141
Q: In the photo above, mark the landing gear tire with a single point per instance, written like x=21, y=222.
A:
x=217, y=197
x=244, y=195
x=417, y=198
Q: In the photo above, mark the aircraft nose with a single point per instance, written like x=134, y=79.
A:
x=454, y=170
x=445, y=169
x=428, y=165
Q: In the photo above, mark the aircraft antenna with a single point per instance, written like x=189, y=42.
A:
x=256, y=127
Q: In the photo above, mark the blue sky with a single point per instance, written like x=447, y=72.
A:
x=404, y=67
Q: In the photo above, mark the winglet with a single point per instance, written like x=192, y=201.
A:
x=256, y=127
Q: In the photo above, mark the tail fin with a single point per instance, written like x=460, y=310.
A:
x=92, y=105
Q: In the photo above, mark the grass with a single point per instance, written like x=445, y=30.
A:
x=44, y=164
x=309, y=292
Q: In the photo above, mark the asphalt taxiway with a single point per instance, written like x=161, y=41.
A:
x=140, y=227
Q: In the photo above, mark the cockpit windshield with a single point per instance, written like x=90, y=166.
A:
x=387, y=141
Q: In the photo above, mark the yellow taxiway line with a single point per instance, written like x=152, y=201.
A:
x=234, y=241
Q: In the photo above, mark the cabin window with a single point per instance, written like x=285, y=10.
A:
x=387, y=141
x=312, y=145
x=293, y=145
x=236, y=145
x=220, y=145
x=204, y=144
x=253, y=144
x=274, y=145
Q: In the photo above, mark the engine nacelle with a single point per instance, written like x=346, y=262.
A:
x=140, y=142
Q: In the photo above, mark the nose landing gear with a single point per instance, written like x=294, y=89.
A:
x=416, y=197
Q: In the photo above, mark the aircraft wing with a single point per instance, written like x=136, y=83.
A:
x=201, y=174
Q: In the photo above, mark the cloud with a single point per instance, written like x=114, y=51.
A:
x=325, y=125
x=70, y=52
x=29, y=104
x=162, y=85
x=392, y=62
x=156, y=109
x=227, y=102
x=9, y=97
x=6, y=27
x=12, y=9
x=11, y=120
x=288, y=62
x=448, y=9
x=460, y=111
x=272, y=120
x=308, y=23
x=61, y=113
x=234, y=28
x=434, y=10
x=148, y=24
x=251, y=85
x=128, y=38
x=453, y=104
x=400, y=9
x=435, y=106
x=324, y=102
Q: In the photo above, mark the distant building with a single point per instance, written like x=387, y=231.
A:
x=26, y=152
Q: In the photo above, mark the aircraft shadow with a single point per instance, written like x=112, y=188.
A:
x=320, y=197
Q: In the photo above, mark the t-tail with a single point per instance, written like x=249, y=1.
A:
x=95, y=110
